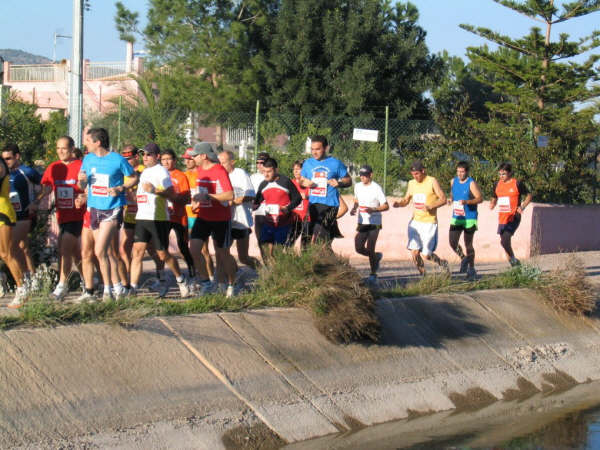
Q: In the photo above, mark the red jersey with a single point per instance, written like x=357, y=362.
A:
x=278, y=196
x=300, y=212
x=181, y=185
x=213, y=181
x=63, y=180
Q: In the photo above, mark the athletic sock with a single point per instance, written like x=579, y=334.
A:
x=180, y=279
x=89, y=291
x=107, y=289
x=134, y=286
x=60, y=285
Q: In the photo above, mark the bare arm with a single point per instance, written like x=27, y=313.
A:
x=222, y=197
x=524, y=203
x=440, y=195
x=477, y=195
x=403, y=202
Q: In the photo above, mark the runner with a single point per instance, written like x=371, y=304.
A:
x=191, y=175
x=427, y=196
x=214, y=218
x=61, y=178
x=465, y=196
x=300, y=226
x=241, y=222
x=102, y=173
x=8, y=219
x=507, y=195
x=323, y=175
x=152, y=219
x=370, y=202
x=279, y=197
x=177, y=213
x=24, y=186
x=259, y=214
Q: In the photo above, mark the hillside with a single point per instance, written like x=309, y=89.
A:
x=21, y=57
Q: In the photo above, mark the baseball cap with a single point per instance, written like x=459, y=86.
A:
x=187, y=155
x=201, y=148
x=262, y=156
x=365, y=170
x=152, y=148
x=417, y=166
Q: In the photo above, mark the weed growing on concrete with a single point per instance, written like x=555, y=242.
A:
x=567, y=290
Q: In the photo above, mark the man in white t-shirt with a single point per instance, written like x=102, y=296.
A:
x=152, y=218
x=369, y=201
x=241, y=205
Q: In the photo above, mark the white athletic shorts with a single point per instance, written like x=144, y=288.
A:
x=422, y=236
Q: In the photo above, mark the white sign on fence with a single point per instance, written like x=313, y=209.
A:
x=361, y=134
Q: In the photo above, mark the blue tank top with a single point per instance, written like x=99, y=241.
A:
x=462, y=191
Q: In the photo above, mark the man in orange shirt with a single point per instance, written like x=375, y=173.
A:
x=507, y=195
x=177, y=210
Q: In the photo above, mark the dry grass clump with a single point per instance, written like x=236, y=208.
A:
x=567, y=289
x=329, y=287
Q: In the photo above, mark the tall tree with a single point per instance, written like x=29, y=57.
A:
x=348, y=57
x=542, y=89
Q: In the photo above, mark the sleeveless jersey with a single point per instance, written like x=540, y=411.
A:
x=465, y=215
x=423, y=194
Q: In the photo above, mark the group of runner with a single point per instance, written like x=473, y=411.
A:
x=112, y=208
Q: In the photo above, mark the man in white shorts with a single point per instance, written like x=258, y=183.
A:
x=427, y=196
x=370, y=202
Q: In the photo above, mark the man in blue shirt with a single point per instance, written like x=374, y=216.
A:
x=102, y=173
x=323, y=175
x=24, y=184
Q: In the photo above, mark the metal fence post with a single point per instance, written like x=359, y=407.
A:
x=256, y=136
x=385, y=148
x=119, y=123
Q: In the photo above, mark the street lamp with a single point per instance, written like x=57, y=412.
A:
x=56, y=35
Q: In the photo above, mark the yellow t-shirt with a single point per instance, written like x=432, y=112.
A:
x=423, y=194
x=6, y=206
x=131, y=207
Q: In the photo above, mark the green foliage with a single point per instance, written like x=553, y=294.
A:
x=126, y=22
x=533, y=93
x=20, y=125
x=56, y=126
x=153, y=116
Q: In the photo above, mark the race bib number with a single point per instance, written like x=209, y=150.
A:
x=272, y=210
x=64, y=197
x=458, y=208
x=320, y=179
x=504, y=204
x=142, y=198
x=16, y=201
x=419, y=200
x=193, y=191
x=205, y=202
x=100, y=185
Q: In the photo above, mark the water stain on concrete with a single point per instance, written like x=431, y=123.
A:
x=252, y=437
x=525, y=389
x=473, y=399
x=353, y=423
x=559, y=381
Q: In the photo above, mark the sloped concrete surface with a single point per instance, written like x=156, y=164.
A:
x=196, y=381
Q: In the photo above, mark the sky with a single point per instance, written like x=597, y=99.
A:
x=30, y=25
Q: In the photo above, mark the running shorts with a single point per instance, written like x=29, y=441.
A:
x=152, y=231
x=220, y=231
x=422, y=236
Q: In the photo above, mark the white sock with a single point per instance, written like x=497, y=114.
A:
x=134, y=286
x=107, y=289
x=60, y=285
x=180, y=279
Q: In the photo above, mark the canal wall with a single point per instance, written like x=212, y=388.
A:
x=207, y=381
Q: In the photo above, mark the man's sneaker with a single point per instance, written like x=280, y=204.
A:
x=132, y=292
x=85, y=298
x=372, y=279
x=163, y=289
x=464, y=264
x=230, y=291
x=20, y=297
x=514, y=262
x=471, y=274
x=184, y=289
x=205, y=287
x=59, y=292
x=119, y=292
x=378, y=258
x=107, y=296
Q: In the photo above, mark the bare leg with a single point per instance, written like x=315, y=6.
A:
x=196, y=246
x=242, y=251
x=125, y=248
x=225, y=264
x=136, y=262
x=103, y=237
x=87, y=258
x=416, y=257
x=7, y=256
x=20, y=249
x=69, y=248
x=209, y=266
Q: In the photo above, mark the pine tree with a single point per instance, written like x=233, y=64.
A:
x=541, y=91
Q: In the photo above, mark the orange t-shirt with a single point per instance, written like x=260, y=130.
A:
x=181, y=185
x=191, y=176
x=508, y=195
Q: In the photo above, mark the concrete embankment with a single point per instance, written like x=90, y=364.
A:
x=232, y=379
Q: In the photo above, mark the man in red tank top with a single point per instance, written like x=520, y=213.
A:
x=507, y=195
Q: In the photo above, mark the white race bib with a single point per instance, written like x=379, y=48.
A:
x=320, y=179
x=504, y=204
x=458, y=208
x=142, y=198
x=205, y=202
x=100, y=185
x=419, y=200
x=272, y=209
x=15, y=200
x=64, y=197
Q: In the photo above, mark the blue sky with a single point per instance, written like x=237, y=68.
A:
x=30, y=25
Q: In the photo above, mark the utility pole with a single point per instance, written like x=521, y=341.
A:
x=76, y=75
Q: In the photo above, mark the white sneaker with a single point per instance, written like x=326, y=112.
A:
x=20, y=297
x=107, y=296
x=85, y=298
x=230, y=291
x=184, y=289
x=59, y=292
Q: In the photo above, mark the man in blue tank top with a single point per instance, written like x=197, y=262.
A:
x=464, y=197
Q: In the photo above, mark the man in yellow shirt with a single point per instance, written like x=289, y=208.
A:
x=427, y=196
